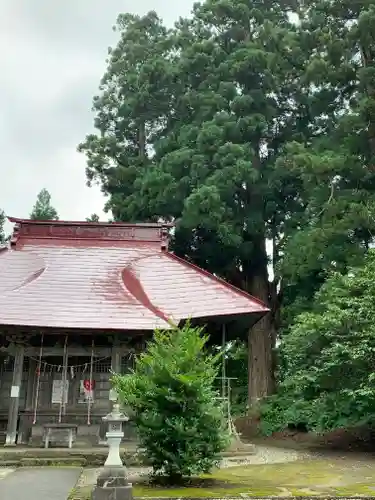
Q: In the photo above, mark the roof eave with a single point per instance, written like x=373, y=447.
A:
x=226, y=284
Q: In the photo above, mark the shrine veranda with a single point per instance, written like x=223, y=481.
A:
x=61, y=378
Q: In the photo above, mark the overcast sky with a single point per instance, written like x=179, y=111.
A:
x=52, y=58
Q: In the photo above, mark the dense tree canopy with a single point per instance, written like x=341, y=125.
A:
x=190, y=123
x=133, y=101
x=247, y=128
x=325, y=375
x=336, y=167
x=43, y=210
x=328, y=381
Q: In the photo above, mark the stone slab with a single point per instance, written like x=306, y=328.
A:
x=89, y=476
x=39, y=483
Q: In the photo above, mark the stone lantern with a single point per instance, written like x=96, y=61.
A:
x=112, y=482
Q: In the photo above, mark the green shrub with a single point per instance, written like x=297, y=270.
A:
x=178, y=418
x=329, y=358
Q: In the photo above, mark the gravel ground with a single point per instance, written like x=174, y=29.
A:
x=263, y=455
x=266, y=455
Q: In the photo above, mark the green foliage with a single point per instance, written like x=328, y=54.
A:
x=176, y=412
x=93, y=218
x=43, y=210
x=215, y=100
x=329, y=356
x=134, y=101
x=236, y=366
x=336, y=168
x=2, y=222
x=243, y=127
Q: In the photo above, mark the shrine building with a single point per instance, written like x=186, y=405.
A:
x=79, y=300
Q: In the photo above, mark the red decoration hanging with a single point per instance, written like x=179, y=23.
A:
x=89, y=385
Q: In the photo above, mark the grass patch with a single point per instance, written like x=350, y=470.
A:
x=304, y=478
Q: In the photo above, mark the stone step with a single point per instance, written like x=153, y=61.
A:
x=9, y=463
x=45, y=462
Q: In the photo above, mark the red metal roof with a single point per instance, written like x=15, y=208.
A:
x=106, y=276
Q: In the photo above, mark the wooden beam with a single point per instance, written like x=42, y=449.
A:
x=30, y=390
x=33, y=352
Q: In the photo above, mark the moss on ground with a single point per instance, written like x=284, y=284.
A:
x=304, y=478
x=81, y=493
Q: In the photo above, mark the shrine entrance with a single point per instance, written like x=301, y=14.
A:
x=49, y=379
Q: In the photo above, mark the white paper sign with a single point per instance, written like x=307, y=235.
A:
x=15, y=391
x=57, y=390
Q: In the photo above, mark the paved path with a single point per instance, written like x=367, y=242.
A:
x=39, y=483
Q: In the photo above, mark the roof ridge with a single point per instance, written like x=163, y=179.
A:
x=100, y=231
x=17, y=220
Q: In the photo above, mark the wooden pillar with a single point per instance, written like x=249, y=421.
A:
x=25, y=425
x=115, y=367
x=116, y=358
x=15, y=391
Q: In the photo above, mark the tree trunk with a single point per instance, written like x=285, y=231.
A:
x=142, y=140
x=261, y=338
x=260, y=353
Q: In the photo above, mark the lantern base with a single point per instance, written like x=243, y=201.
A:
x=112, y=484
x=115, y=493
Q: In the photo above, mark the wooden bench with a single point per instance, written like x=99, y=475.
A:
x=65, y=433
